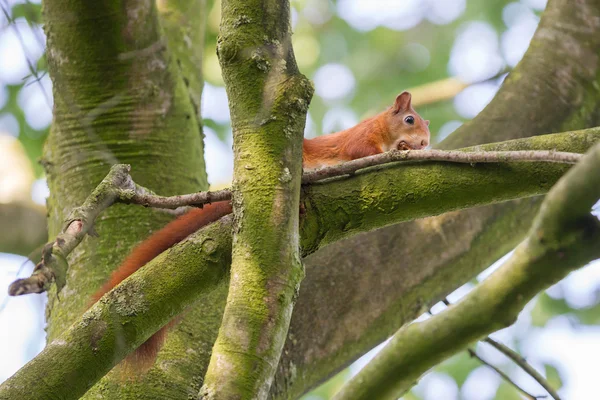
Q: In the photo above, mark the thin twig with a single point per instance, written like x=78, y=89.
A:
x=145, y=198
x=473, y=354
x=53, y=266
x=440, y=155
x=119, y=187
x=116, y=187
x=350, y=167
x=4, y=6
x=521, y=362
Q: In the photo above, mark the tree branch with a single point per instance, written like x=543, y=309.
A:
x=144, y=197
x=118, y=187
x=120, y=99
x=468, y=156
x=184, y=268
x=268, y=100
x=125, y=318
x=564, y=237
x=374, y=294
x=473, y=354
x=525, y=366
x=53, y=267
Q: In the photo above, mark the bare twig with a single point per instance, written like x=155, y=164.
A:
x=143, y=197
x=146, y=198
x=116, y=187
x=80, y=221
x=564, y=237
x=4, y=6
x=119, y=187
x=525, y=366
x=473, y=354
x=517, y=359
x=440, y=155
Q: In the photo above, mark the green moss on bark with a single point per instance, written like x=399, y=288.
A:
x=119, y=97
x=268, y=100
x=397, y=193
x=125, y=318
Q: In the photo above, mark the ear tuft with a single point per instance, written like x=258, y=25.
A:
x=402, y=102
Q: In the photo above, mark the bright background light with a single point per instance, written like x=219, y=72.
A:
x=480, y=51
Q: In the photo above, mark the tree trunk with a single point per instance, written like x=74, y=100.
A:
x=117, y=99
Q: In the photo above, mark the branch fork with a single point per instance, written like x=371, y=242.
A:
x=119, y=187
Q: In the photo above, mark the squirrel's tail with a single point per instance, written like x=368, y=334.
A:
x=174, y=232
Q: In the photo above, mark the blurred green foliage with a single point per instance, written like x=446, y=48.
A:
x=383, y=62
x=31, y=138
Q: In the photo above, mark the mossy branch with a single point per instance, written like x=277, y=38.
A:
x=119, y=187
x=87, y=364
x=564, y=237
x=124, y=318
x=268, y=101
x=440, y=253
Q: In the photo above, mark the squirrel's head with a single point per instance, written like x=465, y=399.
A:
x=407, y=129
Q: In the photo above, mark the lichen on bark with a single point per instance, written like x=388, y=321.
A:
x=268, y=100
x=469, y=240
x=119, y=97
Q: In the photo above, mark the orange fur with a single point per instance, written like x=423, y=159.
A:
x=387, y=130
x=174, y=232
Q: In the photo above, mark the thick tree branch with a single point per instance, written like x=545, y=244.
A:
x=564, y=237
x=268, y=100
x=118, y=187
x=125, y=318
x=388, y=277
x=119, y=97
x=214, y=256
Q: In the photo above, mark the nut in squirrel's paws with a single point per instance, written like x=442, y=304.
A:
x=403, y=146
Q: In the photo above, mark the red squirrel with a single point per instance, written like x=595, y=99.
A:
x=398, y=127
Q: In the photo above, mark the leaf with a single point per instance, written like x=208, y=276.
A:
x=459, y=367
x=553, y=376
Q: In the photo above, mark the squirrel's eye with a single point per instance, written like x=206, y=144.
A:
x=409, y=120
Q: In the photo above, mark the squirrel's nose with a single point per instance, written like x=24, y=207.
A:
x=424, y=143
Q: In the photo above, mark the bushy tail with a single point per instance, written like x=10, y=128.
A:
x=174, y=232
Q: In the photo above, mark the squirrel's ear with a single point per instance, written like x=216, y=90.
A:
x=402, y=102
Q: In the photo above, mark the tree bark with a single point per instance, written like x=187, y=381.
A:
x=196, y=271
x=268, y=99
x=406, y=268
x=356, y=293
x=119, y=97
